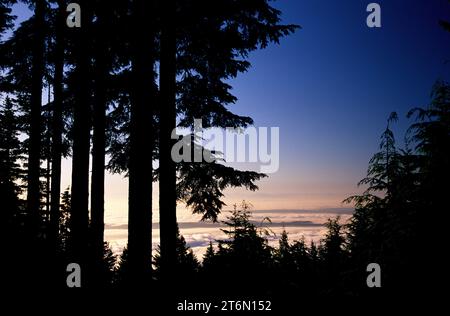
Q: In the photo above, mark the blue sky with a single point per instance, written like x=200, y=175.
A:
x=331, y=86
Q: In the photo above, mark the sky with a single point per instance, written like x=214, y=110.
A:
x=329, y=88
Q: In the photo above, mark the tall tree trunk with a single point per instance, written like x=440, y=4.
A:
x=167, y=176
x=57, y=123
x=81, y=137
x=48, y=167
x=141, y=146
x=33, y=192
x=99, y=137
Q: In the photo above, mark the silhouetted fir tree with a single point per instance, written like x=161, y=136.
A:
x=384, y=225
x=214, y=42
x=122, y=276
x=332, y=254
x=300, y=255
x=82, y=119
x=35, y=123
x=11, y=171
x=186, y=264
x=101, y=52
x=57, y=124
x=141, y=137
x=384, y=165
x=403, y=186
x=284, y=249
x=108, y=272
x=208, y=258
x=431, y=137
x=303, y=267
x=167, y=123
x=372, y=227
x=246, y=254
x=101, y=273
x=285, y=257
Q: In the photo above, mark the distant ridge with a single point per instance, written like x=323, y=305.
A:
x=337, y=211
x=213, y=225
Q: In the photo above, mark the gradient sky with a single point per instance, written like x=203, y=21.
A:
x=330, y=88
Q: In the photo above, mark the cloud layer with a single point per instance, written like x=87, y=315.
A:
x=298, y=223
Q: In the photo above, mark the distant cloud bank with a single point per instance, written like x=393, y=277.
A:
x=298, y=223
